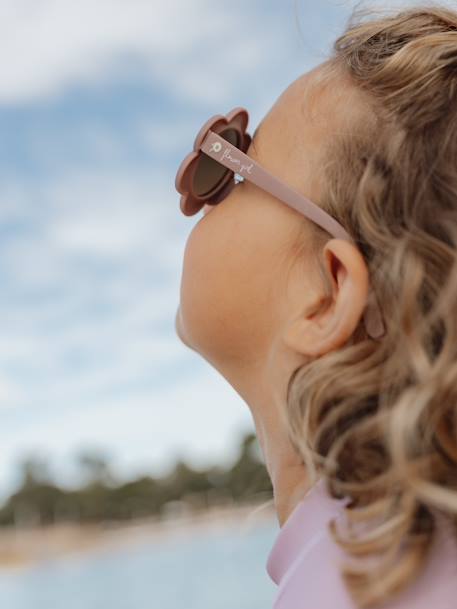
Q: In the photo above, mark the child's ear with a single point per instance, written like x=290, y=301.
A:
x=330, y=322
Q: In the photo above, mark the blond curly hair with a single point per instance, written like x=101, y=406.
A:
x=377, y=419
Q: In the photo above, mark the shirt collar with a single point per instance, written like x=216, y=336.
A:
x=306, y=520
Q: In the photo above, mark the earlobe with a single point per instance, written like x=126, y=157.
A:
x=331, y=321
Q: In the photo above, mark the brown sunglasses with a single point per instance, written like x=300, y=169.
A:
x=219, y=160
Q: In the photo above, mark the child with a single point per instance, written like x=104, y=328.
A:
x=356, y=429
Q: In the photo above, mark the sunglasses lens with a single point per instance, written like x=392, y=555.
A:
x=210, y=175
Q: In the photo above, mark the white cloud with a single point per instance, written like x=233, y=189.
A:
x=55, y=43
x=10, y=394
x=90, y=219
x=199, y=49
x=146, y=436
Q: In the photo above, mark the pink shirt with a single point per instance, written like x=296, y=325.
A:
x=304, y=561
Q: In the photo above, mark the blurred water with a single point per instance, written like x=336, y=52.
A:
x=220, y=568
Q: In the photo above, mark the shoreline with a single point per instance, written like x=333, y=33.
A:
x=26, y=547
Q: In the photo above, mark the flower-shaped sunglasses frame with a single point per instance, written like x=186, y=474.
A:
x=206, y=175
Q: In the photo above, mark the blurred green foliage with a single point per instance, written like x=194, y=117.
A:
x=39, y=501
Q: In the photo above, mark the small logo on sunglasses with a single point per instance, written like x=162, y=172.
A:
x=216, y=147
x=242, y=168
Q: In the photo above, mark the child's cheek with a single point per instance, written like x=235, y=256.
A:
x=217, y=288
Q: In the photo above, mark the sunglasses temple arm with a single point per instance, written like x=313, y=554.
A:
x=237, y=161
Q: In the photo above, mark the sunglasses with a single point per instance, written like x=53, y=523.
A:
x=219, y=161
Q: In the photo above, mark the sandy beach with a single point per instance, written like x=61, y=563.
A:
x=22, y=547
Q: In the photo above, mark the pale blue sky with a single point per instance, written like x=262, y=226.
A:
x=99, y=102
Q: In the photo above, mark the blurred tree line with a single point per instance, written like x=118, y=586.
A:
x=39, y=501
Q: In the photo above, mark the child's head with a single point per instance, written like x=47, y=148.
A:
x=253, y=277
x=275, y=303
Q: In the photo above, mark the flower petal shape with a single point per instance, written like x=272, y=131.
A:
x=231, y=127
